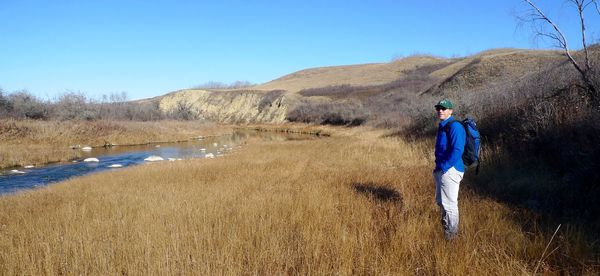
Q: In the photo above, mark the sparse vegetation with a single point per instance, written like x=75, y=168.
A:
x=222, y=85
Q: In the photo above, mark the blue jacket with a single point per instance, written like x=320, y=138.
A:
x=449, y=147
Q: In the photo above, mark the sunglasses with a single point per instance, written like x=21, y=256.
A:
x=438, y=108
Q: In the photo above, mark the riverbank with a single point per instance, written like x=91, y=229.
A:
x=353, y=203
x=27, y=142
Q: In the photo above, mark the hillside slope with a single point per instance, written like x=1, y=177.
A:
x=354, y=75
x=492, y=67
x=271, y=102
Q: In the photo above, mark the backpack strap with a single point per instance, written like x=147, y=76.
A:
x=447, y=126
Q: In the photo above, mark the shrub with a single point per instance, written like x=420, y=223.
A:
x=74, y=106
x=5, y=105
x=268, y=99
x=149, y=111
x=329, y=91
x=24, y=105
x=117, y=107
x=350, y=113
x=184, y=110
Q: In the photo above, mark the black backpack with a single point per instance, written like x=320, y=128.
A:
x=473, y=144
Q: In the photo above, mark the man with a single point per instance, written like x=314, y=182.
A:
x=449, y=167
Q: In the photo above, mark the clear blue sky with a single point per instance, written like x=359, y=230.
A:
x=148, y=48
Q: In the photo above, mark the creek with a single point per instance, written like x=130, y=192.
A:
x=119, y=157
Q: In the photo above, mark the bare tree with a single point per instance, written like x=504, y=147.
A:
x=73, y=105
x=25, y=105
x=222, y=85
x=556, y=35
x=5, y=105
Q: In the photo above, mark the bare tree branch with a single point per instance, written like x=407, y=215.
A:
x=552, y=37
x=594, y=3
x=587, y=4
x=560, y=37
x=580, y=8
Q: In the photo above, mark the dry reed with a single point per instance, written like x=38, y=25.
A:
x=357, y=204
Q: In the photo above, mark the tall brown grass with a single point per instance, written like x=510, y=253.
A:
x=349, y=204
x=26, y=142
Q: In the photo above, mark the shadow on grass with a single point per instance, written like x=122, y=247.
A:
x=378, y=193
x=386, y=210
x=542, y=200
x=542, y=191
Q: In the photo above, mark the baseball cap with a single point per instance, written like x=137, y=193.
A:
x=445, y=104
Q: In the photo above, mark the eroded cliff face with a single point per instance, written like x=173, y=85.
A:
x=245, y=106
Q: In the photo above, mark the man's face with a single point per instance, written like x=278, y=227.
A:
x=442, y=112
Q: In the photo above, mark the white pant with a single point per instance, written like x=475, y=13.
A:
x=446, y=195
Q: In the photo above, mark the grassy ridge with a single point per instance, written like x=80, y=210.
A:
x=352, y=204
x=26, y=142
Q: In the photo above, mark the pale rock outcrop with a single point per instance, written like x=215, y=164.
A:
x=242, y=106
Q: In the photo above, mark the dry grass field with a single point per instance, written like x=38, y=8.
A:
x=485, y=67
x=353, y=203
x=28, y=142
x=354, y=75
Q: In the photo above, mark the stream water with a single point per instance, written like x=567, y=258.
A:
x=118, y=157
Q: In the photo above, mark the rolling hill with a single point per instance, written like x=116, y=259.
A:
x=419, y=75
